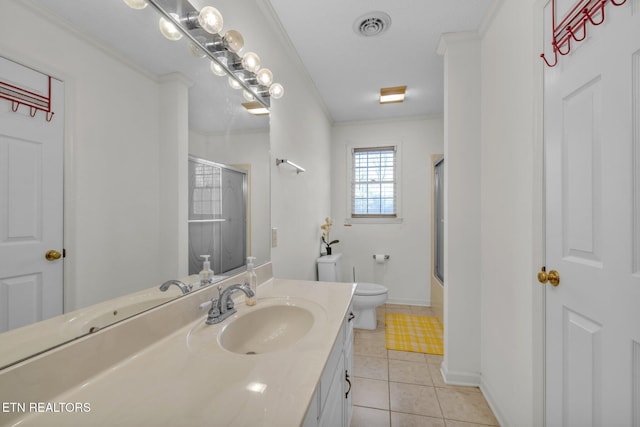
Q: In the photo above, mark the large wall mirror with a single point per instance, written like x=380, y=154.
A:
x=136, y=106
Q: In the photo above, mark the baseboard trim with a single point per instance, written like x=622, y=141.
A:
x=488, y=396
x=459, y=378
x=474, y=380
x=402, y=301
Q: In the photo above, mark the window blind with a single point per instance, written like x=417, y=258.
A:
x=373, y=184
x=206, y=193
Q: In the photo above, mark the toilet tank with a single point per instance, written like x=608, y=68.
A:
x=329, y=268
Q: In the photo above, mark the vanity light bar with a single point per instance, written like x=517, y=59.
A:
x=181, y=14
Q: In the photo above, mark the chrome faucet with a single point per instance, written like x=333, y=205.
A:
x=222, y=307
x=184, y=288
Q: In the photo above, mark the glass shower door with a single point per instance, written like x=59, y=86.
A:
x=217, y=215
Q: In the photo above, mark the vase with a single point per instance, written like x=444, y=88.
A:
x=328, y=250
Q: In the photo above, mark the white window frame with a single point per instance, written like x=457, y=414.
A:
x=398, y=180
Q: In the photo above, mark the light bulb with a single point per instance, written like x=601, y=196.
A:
x=195, y=50
x=265, y=77
x=210, y=20
x=217, y=69
x=248, y=96
x=234, y=83
x=168, y=29
x=136, y=4
x=251, y=62
x=233, y=41
x=276, y=91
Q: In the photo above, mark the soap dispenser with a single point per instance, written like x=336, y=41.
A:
x=206, y=275
x=252, y=281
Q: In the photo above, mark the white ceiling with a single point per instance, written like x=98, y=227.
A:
x=348, y=69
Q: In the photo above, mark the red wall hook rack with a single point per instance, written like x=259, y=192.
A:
x=573, y=27
x=20, y=96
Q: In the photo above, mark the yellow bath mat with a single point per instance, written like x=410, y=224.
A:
x=420, y=334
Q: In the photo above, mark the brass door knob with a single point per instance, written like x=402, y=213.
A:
x=552, y=277
x=52, y=255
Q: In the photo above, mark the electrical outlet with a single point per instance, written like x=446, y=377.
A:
x=274, y=237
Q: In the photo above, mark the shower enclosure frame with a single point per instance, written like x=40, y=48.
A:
x=217, y=246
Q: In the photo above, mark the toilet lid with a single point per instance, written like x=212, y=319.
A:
x=369, y=289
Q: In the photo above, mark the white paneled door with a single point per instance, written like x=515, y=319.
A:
x=592, y=167
x=31, y=217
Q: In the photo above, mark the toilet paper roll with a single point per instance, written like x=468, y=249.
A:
x=380, y=258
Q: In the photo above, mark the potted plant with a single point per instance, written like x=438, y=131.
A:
x=326, y=230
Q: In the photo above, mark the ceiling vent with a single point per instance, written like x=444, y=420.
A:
x=372, y=24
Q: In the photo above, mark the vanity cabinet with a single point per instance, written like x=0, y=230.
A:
x=332, y=403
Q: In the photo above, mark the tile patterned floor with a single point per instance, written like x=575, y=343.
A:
x=403, y=389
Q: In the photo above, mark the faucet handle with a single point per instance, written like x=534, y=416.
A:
x=214, y=311
x=205, y=305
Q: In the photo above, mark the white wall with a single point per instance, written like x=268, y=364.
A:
x=511, y=206
x=509, y=351
x=299, y=202
x=173, y=146
x=407, y=273
x=462, y=292
x=112, y=169
x=300, y=132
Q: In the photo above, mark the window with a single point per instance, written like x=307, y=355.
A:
x=206, y=185
x=373, y=183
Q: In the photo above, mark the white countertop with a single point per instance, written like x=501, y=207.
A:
x=187, y=379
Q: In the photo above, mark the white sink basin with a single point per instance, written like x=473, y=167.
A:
x=272, y=325
x=265, y=330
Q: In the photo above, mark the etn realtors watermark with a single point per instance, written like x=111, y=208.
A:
x=45, y=407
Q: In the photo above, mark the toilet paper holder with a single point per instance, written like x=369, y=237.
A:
x=385, y=257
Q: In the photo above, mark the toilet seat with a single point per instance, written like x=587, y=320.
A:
x=370, y=289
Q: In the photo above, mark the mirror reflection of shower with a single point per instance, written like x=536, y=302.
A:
x=217, y=216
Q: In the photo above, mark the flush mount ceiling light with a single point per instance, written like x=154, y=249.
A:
x=255, y=108
x=202, y=28
x=390, y=95
x=372, y=24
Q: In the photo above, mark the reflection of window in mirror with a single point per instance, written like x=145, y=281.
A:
x=206, y=192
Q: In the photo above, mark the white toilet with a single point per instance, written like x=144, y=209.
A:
x=367, y=297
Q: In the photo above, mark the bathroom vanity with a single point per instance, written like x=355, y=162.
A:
x=332, y=403
x=286, y=361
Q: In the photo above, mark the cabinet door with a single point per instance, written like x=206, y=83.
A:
x=333, y=413
x=348, y=380
x=348, y=368
x=334, y=363
x=311, y=419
